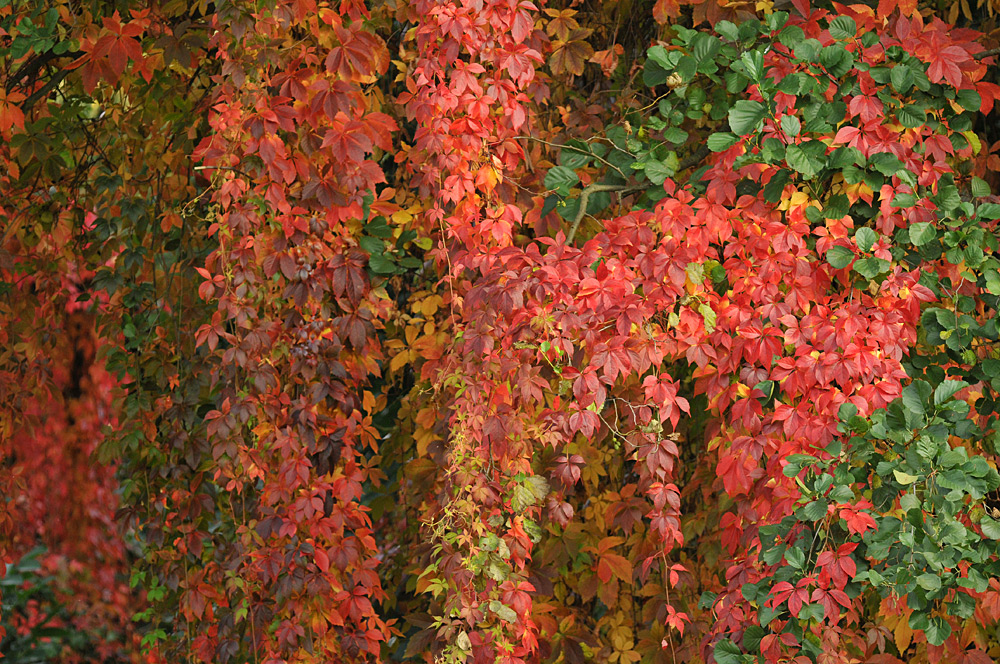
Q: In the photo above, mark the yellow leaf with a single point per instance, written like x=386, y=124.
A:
x=797, y=199
x=400, y=360
x=429, y=305
x=973, y=139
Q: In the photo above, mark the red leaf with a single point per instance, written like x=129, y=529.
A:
x=944, y=65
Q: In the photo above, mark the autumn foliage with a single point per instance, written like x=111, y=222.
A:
x=464, y=331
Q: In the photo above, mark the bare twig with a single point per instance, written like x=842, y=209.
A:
x=575, y=149
x=987, y=54
x=594, y=188
x=44, y=91
x=694, y=158
x=623, y=189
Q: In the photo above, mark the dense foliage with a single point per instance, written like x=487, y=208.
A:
x=468, y=331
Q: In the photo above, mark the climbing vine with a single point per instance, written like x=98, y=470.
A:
x=453, y=331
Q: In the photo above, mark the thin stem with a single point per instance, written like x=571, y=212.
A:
x=575, y=149
x=621, y=189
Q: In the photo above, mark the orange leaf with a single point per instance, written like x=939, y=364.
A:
x=664, y=10
x=612, y=563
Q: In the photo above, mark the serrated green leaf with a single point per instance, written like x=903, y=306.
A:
x=372, y=245
x=727, y=652
x=728, y=30
x=381, y=264
x=871, y=267
x=937, y=631
x=815, y=510
x=901, y=78
x=661, y=57
x=947, y=389
x=776, y=185
x=791, y=125
x=675, y=135
x=561, y=179
x=806, y=158
x=795, y=557
x=991, y=527
x=573, y=158
x=865, y=238
x=921, y=233
x=839, y=257
x=979, y=188
x=904, y=200
x=808, y=50
x=745, y=115
x=843, y=27
x=916, y=395
x=658, y=171
x=929, y=582
x=988, y=211
x=721, y=141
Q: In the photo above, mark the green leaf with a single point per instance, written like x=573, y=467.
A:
x=815, y=510
x=658, y=171
x=561, y=179
x=573, y=158
x=708, y=315
x=938, y=631
x=865, y=238
x=721, y=141
x=869, y=268
x=969, y=100
x=381, y=264
x=979, y=188
x=372, y=245
x=773, y=150
x=901, y=77
x=836, y=59
x=806, y=158
x=728, y=30
x=776, y=185
x=705, y=47
x=745, y=115
x=930, y=582
x=753, y=61
x=752, y=637
x=727, y=652
x=916, y=395
x=991, y=527
x=791, y=125
x=795, y=557
x=811, y=612
x=653, y=74
x=675, y=135
x=911, y=116
x=791, y=36
x=993, y=282
x=904, y=478
x=988, y=211
x=808, y=50
x=661, y=57
x=947, y=389
x=843, y=27
x=921, y=233
x=904, y=200
x=839, y=257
